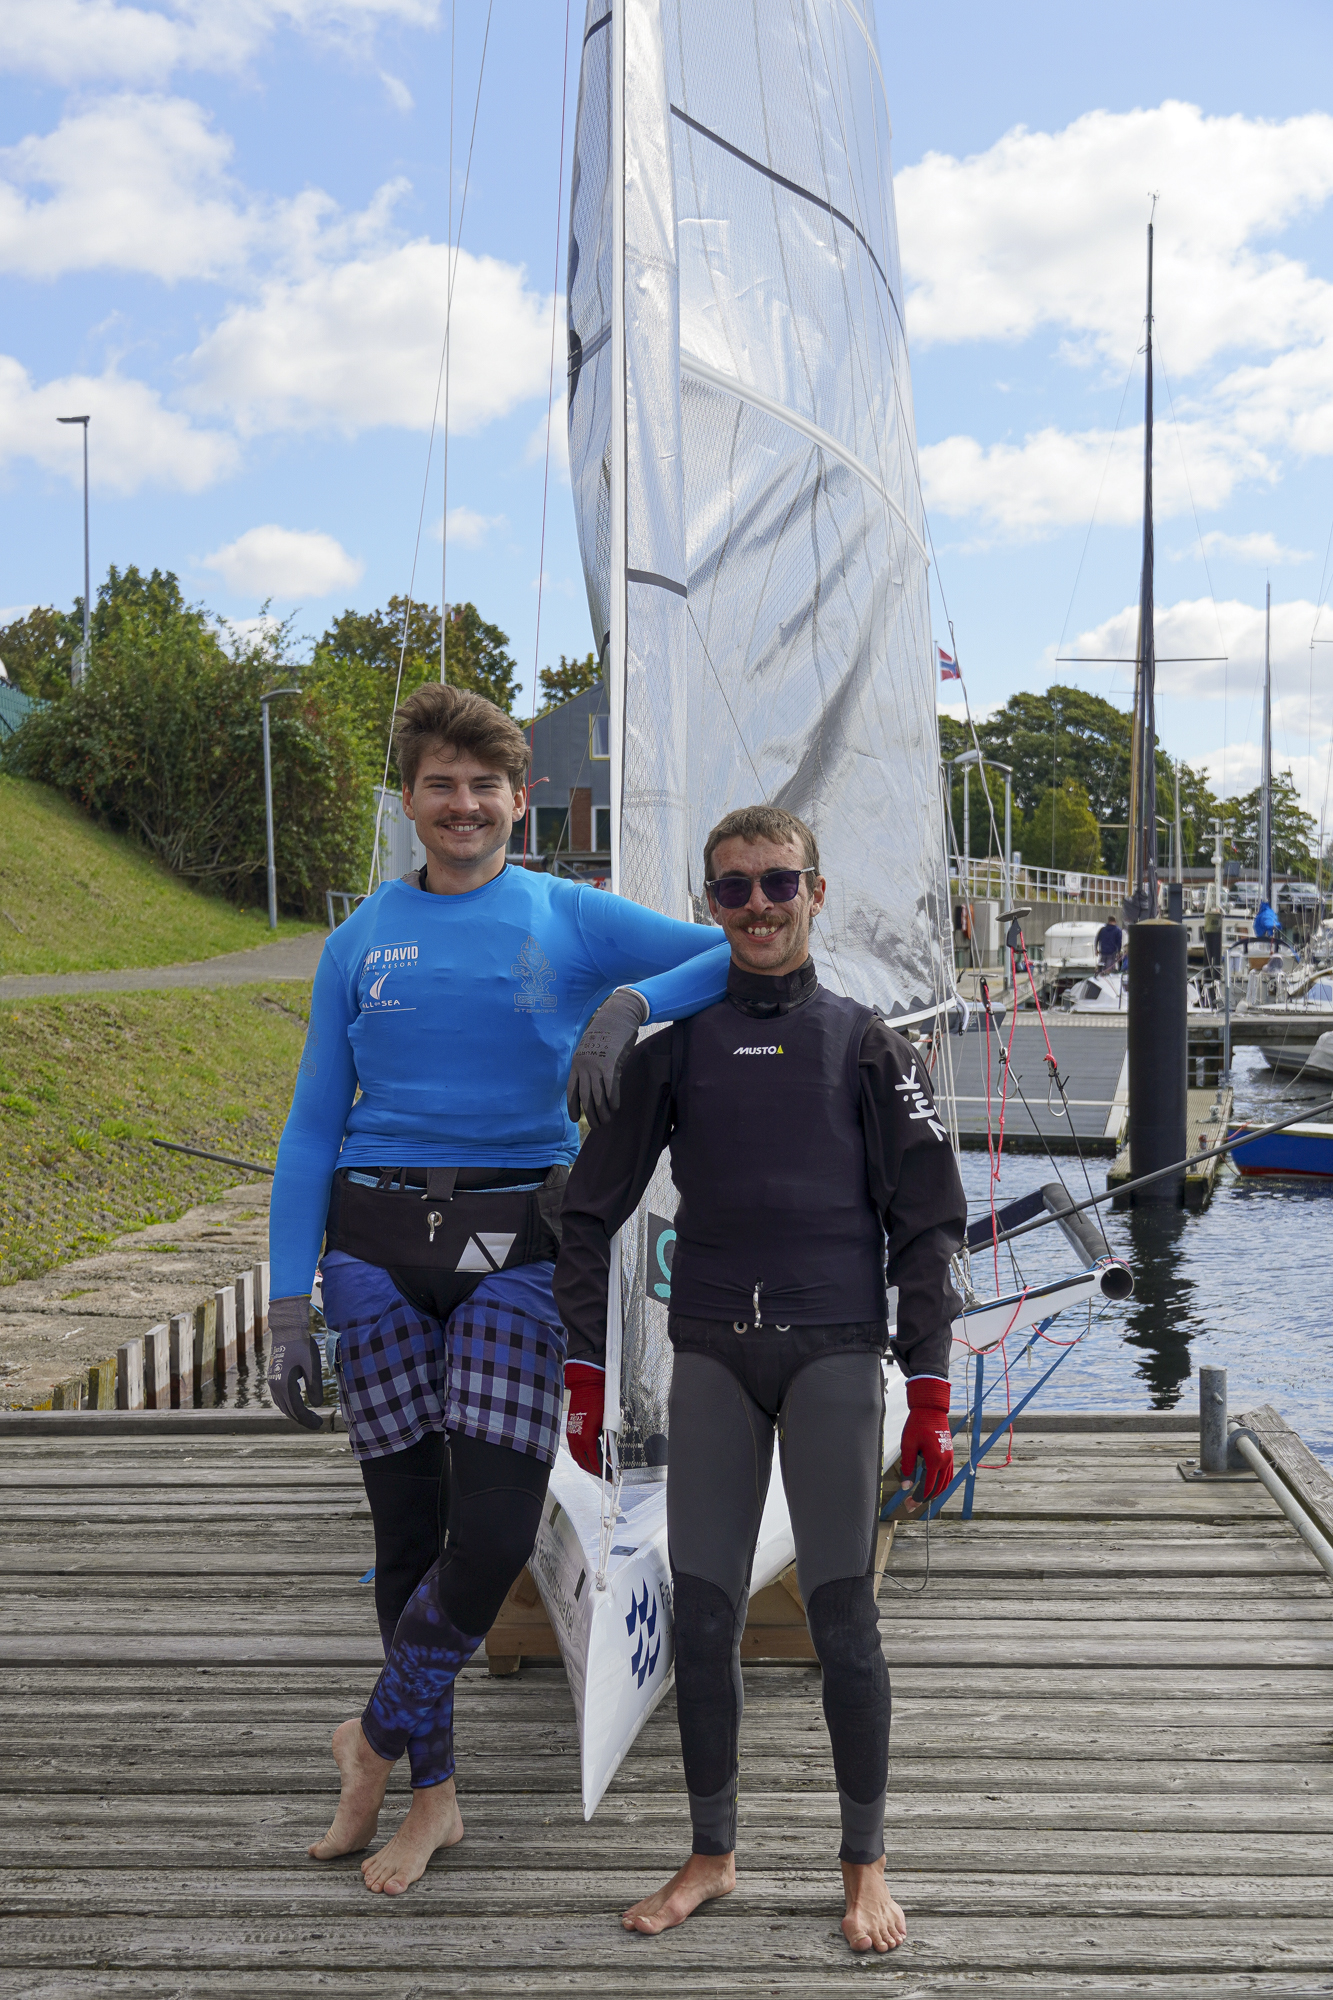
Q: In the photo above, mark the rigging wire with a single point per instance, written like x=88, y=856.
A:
x=430, y=447
x=453, y=254
x=550, y=405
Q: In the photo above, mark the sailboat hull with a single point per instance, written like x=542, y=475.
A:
x=618, y=1644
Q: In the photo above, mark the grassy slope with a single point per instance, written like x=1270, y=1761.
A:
x=83, y=1078
x=75, y=898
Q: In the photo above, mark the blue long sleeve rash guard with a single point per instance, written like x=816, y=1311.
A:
x=457, y=1018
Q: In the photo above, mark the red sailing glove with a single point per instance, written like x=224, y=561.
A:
x=586, y=1384
x=927, y=1431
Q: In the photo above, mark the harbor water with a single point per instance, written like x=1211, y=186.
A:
x=1247, y=1285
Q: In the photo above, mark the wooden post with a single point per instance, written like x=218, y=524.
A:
x=180, y=1342
x=129, y=1375
x=157, y=1368
x=70, y=1395
x=205, y=1342
x=224, y=1299
x=102, y=1384
x=260, y=1276
x=244, y=1283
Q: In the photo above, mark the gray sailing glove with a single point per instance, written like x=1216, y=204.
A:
x=293, y=1357
x=594, y=1074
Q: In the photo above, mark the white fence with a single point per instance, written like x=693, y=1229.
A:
x=989, y=881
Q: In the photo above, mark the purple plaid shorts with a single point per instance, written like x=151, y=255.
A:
x=493, y=1370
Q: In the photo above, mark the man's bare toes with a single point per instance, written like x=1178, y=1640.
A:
x=364, y=1779
x=433, y=1821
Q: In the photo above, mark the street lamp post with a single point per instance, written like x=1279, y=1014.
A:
x=264, y=701
x=81, y=664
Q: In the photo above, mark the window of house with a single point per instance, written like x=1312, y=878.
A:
x=551, y=831
x=602, y=829
x=599, y=736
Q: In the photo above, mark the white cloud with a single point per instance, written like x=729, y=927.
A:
x=285, y=563
x=357, y=343
x=82, y=41
x=1047, y=229
x=136, y=183
x=1190, y=632
x=1053, y=477
x=470, y=529
x=134, y=439
x=1258, y=549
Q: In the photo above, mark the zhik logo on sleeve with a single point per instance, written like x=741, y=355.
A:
x=920, y=1106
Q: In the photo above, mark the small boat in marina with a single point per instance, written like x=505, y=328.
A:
x=1299, y=1149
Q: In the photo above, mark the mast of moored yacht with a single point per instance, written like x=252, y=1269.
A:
x=1141, y=851
x=1266, y=775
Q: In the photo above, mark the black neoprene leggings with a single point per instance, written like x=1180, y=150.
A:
x=828, y=1413
x=408, y=1493
x=495, y=1500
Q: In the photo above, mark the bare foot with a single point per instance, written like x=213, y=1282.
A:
x=873, y=1919
x=703, y=1877
x=364, y=1777
x=433, y=1820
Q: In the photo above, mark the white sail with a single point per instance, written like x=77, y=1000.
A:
x=743, y=462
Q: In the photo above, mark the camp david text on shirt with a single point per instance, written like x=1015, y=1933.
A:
x=384, y=993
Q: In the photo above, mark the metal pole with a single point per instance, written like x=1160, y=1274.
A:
x=1212, y=1420
x=1158, y=994
x=264, y=701
x=1009, y=837
x=268, y=826
x=967, y=835
x=87, y=564
x=1226, y=1013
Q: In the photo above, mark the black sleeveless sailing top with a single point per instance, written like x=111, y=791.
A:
x=775, y=1225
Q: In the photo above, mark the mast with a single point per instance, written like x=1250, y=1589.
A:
x=618, y=622
x=1266, y=779
x=1141, y=853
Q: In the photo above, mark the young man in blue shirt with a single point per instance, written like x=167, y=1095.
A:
x=426, y=1150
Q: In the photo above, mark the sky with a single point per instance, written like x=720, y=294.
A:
x=224, y=230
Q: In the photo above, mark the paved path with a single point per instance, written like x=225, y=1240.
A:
x=294, y=958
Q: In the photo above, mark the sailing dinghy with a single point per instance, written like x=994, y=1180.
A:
x=744, y=472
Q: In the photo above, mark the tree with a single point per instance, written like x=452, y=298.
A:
x=1067, y=733
x=474, y=652
x=38, y=651
x=1063, y=832
x=1294, y=830
x=571, y=677
x=163, y=740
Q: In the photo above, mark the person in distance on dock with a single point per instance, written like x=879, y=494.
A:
x=801, y=1130
x=426, y=1151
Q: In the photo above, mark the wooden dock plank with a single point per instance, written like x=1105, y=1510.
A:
x=1112, y=1752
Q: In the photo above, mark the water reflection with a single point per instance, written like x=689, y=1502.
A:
x=1161, y=1319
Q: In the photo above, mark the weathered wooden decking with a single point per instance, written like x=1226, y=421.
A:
x=1112, y=1750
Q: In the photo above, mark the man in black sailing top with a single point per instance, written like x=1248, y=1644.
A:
x=802, y=1131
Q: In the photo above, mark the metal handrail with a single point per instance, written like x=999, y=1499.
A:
x=991, y=879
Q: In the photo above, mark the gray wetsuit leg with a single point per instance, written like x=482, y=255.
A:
x=831, y=1443
x=721, y=1459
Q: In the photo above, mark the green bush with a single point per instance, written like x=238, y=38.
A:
x=163, y=740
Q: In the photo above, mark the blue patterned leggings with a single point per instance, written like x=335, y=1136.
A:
x=495, y=1500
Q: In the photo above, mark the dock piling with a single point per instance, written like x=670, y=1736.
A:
x=1212, y=1420
x=244, y=1283
x=181, y=1343
x=129, y=1375
x=157, y=1367
x=224, y=1299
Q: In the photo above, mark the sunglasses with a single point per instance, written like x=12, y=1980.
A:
x=780, y=885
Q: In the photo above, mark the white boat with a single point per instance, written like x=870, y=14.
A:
x=1108, y=993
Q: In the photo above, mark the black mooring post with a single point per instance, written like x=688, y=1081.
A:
x=1158, y=1055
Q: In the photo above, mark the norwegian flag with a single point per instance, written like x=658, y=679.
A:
x=949, y=668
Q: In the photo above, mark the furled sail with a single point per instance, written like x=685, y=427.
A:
x=743, y=460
